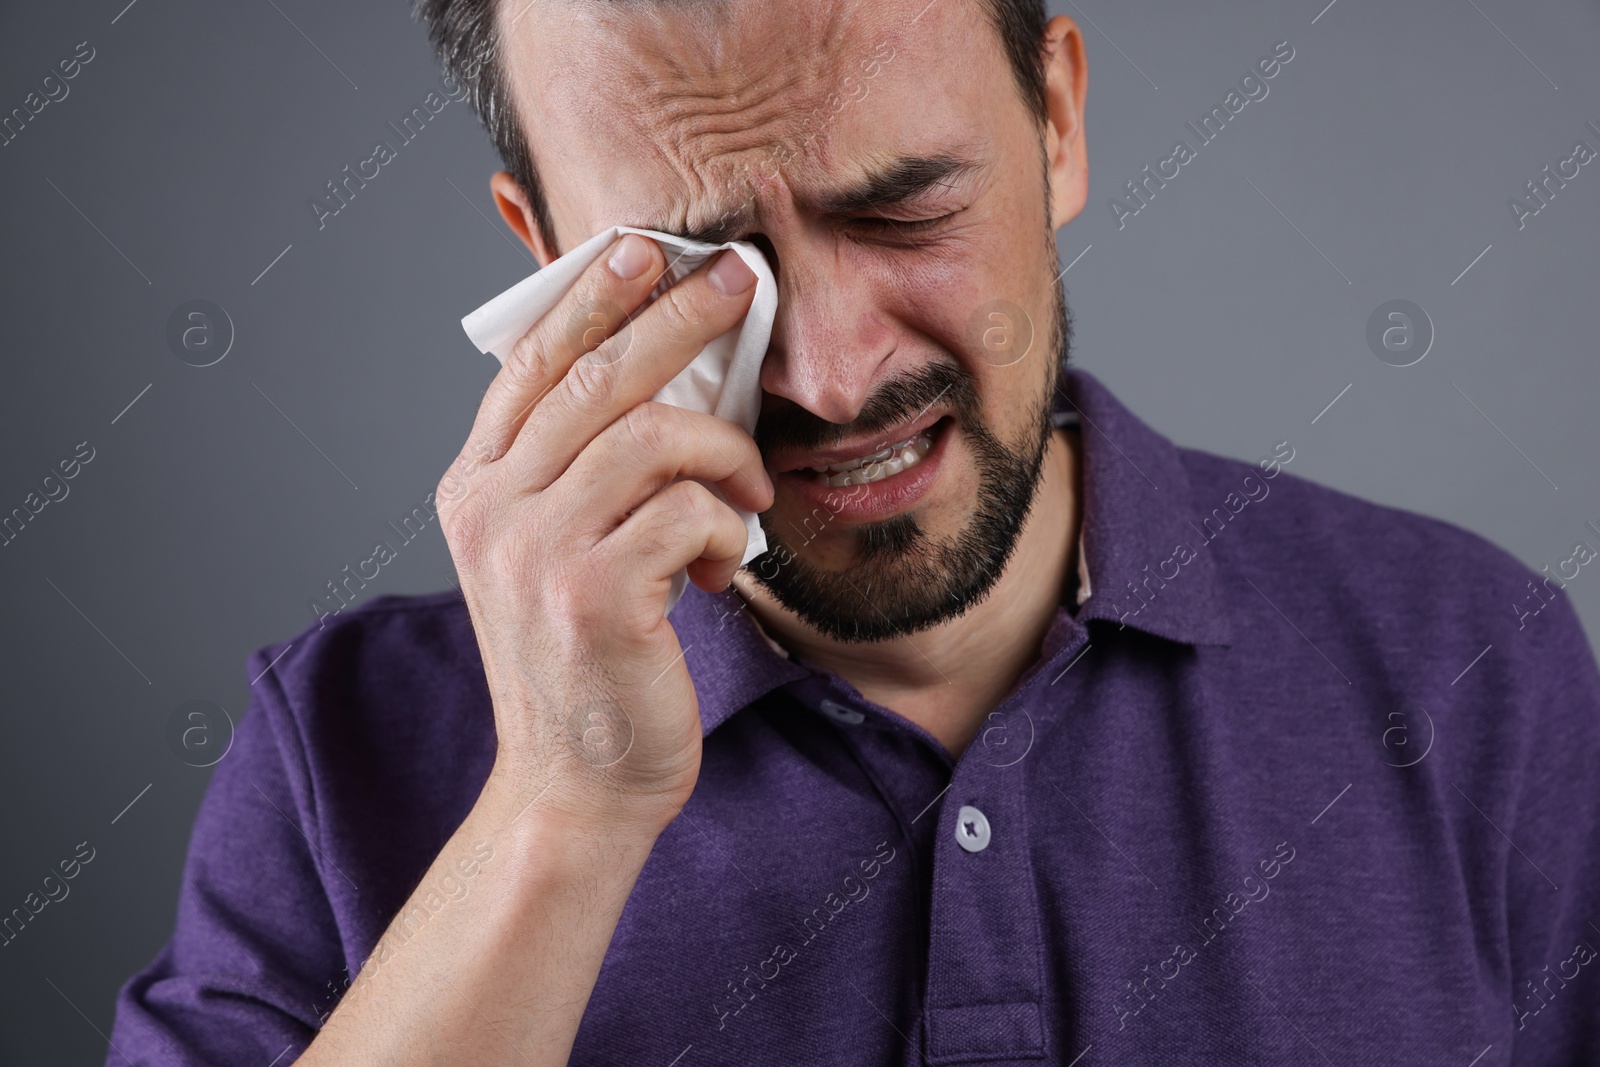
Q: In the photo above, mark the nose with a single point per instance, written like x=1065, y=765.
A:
x=829, y=339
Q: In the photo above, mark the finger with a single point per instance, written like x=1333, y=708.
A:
x=680, y=525
x=630, y=368
x=605, y=294
x=649, y=447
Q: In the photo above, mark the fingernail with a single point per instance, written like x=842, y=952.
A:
x=631, y=257
x=729, y=275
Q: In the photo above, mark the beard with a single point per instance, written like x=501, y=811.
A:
x=902, y=579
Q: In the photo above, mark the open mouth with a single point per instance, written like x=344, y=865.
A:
x=884, y=463
x=873, y=487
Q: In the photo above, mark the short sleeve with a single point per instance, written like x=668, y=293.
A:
x=254, y=959
x=1551, y=844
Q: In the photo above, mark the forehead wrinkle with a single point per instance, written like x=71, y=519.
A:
x=701, y=104
x=727, y=128
x=705, y=113
x=748, y=59
x=712, y=169
x=686, y=118
x=713, y=136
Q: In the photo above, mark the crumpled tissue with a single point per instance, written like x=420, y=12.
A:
x=723, y=380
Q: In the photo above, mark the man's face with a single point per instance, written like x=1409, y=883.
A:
x=880, y=154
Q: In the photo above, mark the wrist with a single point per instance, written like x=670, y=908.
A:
x=542, y=814
x=557, y=863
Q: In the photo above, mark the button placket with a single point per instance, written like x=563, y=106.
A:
x=985, y=967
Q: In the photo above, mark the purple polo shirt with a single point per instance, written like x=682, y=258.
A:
x=1301, y=780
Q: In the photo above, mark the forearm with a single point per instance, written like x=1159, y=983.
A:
x=573, y=504
x=501, y=975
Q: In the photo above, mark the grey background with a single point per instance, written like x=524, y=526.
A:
x=222, y=501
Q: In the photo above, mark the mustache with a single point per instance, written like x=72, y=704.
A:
x=898, y=400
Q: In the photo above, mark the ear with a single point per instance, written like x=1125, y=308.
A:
x=513, y=207
x=1066, y=85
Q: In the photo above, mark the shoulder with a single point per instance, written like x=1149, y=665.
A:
x=1417, y=605
x=1396, y=569
x=393, y=688
x=387, y=641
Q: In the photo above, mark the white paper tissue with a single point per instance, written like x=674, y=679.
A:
x=723, y=380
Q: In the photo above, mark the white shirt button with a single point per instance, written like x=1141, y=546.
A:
x=972, y=829
x=839, y=713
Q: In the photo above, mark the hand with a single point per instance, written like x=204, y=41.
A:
x=566, y=524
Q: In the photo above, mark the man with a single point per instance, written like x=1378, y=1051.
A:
x=1035, y=738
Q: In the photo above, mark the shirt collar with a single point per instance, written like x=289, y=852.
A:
x=1151, y=571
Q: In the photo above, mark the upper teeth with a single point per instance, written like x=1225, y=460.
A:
x=881, y=464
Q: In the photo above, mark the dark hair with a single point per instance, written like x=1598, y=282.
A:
x=463, y=32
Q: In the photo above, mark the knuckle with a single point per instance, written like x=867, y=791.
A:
x=465, y=525
x=456, y=481
x=462, y=476
x=451, y=488
x=527, y=361
x=692, y=503
x=614, y=348
x=681, y=306
x=647, y=428
x=447, y=499
x=591, y=381
x=472, y=525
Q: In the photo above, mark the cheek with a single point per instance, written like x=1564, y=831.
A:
x=983, y=316
x=979, y=291
x=933, y=295
x=967, y=303
x=1010, y=397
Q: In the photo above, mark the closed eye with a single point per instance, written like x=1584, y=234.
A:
x=904, y=226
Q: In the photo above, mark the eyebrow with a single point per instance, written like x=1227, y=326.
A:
x=903, y=180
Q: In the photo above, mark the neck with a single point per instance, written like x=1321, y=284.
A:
x=948, y=678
